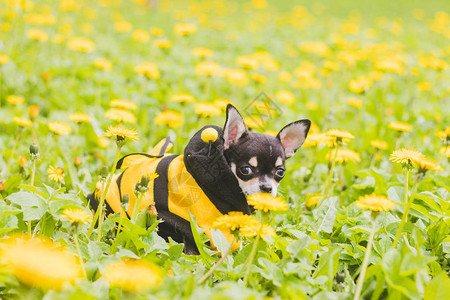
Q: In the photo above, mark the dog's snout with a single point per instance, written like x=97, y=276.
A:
x=265, y=188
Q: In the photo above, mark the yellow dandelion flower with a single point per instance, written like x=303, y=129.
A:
x=37, y=34
x=123, y=104
x=285, y=96
x=123, y=26
x=444, y=134
x=382, y=145
x=236, y=77
x=22, y=121
x=259, y=78
x=316, y=47
x=81, y=44
x=162, y=44
x=121, y=133
x=337, y=136
x=252, y=230
x=134, y=276
x=76, y=215
x=60, y=128
x=185, y=29
x=202, y=52
x=400, y=126
x=120, y=115
x=424, y=86
x=103, y=142
x=207, y=68
x=55, y=174
x=40, y=19
x=222, y=103
x=103, y=64
x=248, y=62
x=156, y=31
x=169, y=118
x=359, y=85
x=15, y=100
x=375, y=202
x=80, y=118
x=39, y=262
x=148, y=69
x=233, y=221
x=343, y=155
x=355, y=102
x=315, y=140
x=313, y=199
x=206, y=110
x=427, y=164
x=271, y=132
x=140, y=35
x=284, y=76
x=182, y=98
x=266, y=202
x=4, y=59
x=445, y=151
x=406, y=156
x=253, y=122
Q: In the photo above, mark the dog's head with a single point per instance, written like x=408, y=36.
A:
x=256, y=159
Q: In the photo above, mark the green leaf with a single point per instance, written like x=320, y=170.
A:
x=376, y=270
x=198, y=240
x=219, y=241
x=412, y=263
x=12, y=183
x=328, y=263
x=438, y=288
x=270, y=271
x=325, y=216
x=297, y=246
x=33, y=206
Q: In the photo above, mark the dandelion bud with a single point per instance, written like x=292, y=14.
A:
x=34, y=151
x=77, y=161
x=103, y=172
x=142, y=186
x=152, y=210
x=125, y=201
x=33, y=111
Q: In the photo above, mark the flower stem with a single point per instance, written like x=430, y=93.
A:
x=405, y=213
x=33, y=171
x=75, y=239
x=252, y=256
x=119, y=227
x=99, y=213
x=362, y=274
x=330, y=174
x=137, y=204
x=217, y=264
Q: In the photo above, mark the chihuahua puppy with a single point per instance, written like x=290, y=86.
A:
x=211, y=179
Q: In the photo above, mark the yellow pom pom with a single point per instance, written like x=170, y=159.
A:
x=209, y=135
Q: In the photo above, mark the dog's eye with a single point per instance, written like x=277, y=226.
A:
x=246, y=170
x=280, y=172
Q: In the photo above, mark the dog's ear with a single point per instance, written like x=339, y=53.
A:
x=234, y=127
x=293, y=135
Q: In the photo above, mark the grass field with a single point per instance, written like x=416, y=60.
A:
x=372, y=76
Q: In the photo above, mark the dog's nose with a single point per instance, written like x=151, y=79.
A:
x=265, y=188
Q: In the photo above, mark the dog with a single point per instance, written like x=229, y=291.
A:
x=211, y=179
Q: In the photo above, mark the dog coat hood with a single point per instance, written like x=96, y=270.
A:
x=199, y=182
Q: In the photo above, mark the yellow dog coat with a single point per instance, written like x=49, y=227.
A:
x=199, y=182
